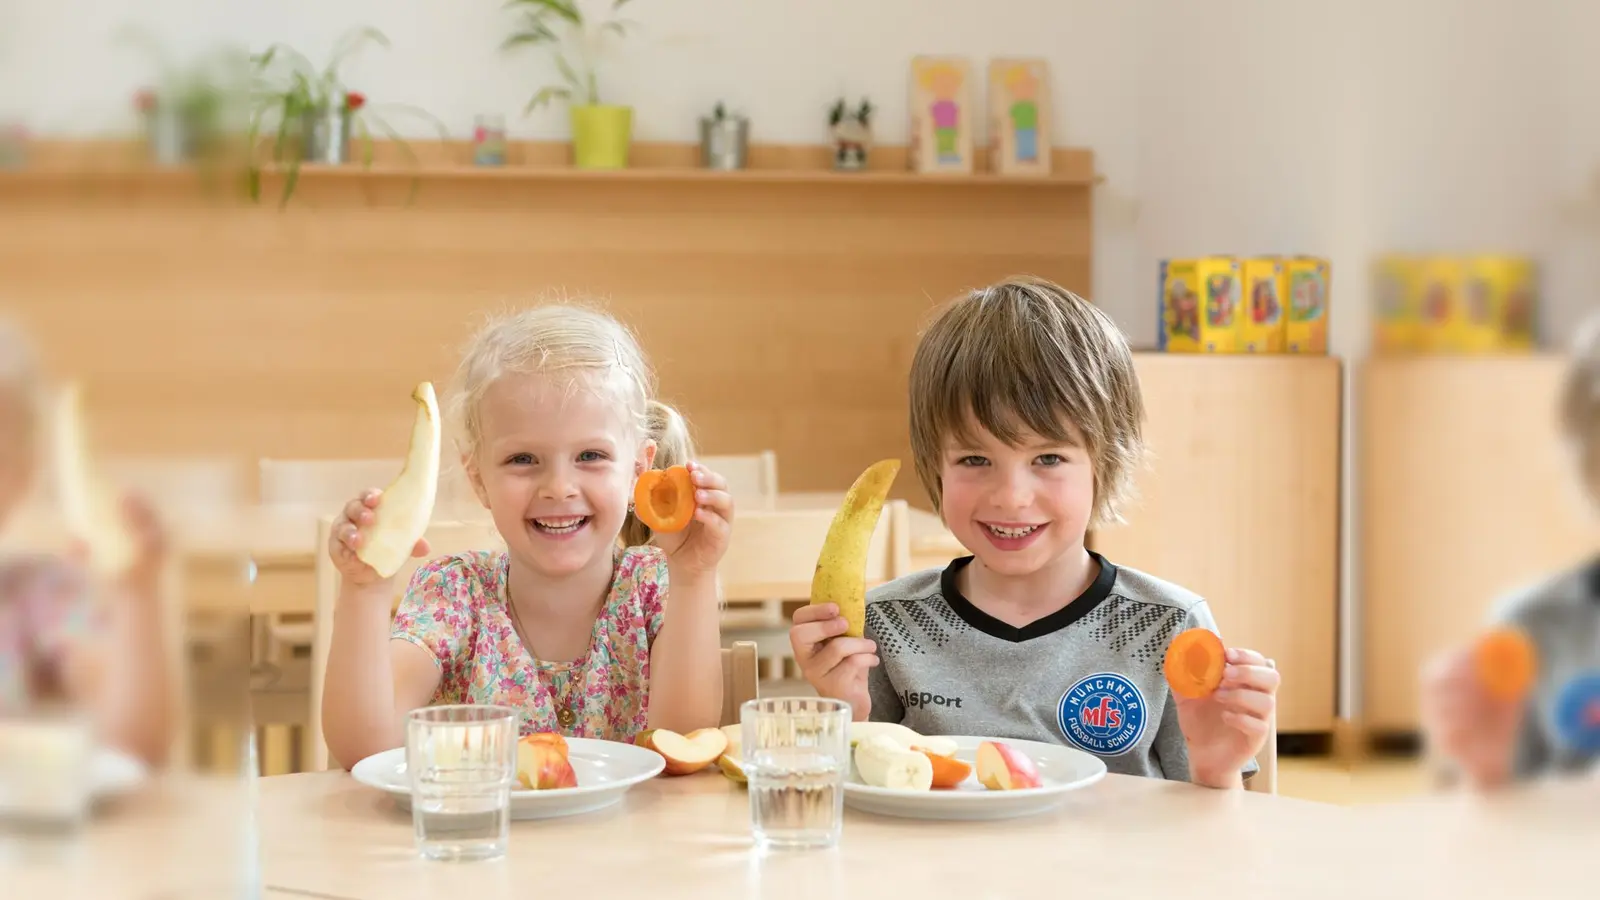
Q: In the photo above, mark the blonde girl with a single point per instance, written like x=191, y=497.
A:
x=1485, y=742
x=97, y=649
x=586, y=623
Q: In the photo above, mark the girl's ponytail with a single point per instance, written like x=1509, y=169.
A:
x=667, y=427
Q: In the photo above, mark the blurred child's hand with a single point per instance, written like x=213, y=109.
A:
x=345, y=538
x=836, y=666
x=1464, y=724
x=696, y=550
x=1225, y=730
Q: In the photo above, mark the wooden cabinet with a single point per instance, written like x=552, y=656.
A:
x=1465, y=494
x=1240, y=504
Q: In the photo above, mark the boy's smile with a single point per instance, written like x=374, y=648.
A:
x=1013, y=535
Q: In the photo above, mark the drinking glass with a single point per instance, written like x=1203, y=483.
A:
x=796, y=753
x=461, y=761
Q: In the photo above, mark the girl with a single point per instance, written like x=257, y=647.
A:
x=102, y=652
x=569, y=624
x=1556, y=730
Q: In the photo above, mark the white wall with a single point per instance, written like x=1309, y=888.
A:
x=1340, y=127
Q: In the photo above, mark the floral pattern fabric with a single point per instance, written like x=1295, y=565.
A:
x=455, y=608
x=45, y=606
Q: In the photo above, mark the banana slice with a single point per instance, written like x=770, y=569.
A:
x=884, y=762
x=89, y=505
x=906, y=737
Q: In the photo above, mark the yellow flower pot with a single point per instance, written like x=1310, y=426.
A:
x=601, y=135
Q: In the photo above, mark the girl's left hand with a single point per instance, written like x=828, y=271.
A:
x=1227, y=729
x=696, y=550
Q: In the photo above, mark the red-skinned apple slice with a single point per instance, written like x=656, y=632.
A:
x=407, y=504
x=542, y=763
x=1002, y=767
x=685, y=753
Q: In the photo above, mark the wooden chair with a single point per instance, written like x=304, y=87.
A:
x=1265, y=781
x=773, y=553
x=752, y=478
x=444, y=539
x=740, y=679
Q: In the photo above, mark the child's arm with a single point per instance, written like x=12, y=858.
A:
x=686, y=655
x=371, y=682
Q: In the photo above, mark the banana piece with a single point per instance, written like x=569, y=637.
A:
x=905, y=737
x=407, y=504
x=840, y=577
x=885, y=763
x=88, y=504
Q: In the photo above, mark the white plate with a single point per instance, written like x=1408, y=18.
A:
x=605, y=771
x=113, y=773
x=1062, y=769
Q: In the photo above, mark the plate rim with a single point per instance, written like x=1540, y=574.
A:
x=954, y=797
x=657, y=766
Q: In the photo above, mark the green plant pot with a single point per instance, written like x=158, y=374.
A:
x=601, y=135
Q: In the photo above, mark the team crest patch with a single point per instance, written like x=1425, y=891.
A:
x=1103, y=714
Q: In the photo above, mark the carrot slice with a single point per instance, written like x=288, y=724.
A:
x=947, y=770
x=1194, y=663
x=1507, y=663
x=663, y=499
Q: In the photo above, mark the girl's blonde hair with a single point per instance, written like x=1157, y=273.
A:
x=586, y=345
x=1580, y=404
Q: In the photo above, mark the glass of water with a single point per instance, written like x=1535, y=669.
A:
x=462, y=762
x=796, y=753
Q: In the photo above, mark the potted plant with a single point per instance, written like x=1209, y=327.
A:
x=184, y=110
x=310, y=113
x=852, y=134
x=724, y=139
x=601, y=133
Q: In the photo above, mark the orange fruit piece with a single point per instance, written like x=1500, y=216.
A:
x=663, y=499
x=1194, y=663
x=947, y=770
x=1507, y=663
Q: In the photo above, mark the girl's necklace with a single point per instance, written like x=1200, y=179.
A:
x=562, y=701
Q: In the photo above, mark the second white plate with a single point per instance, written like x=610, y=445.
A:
x=605, y=770
x=1062, y=769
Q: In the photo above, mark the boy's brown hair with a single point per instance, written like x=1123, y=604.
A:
x=1580, y=404
x=1029, y=355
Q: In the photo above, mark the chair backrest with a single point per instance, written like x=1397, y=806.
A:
x=178, y=484
x=1265, y=781
x=752, y=477
x=444, y=539
x=740, y=681
x=773, y=553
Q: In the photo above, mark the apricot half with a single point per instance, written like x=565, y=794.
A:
x=1506, y=662
x=1194, y=663
x=663, y=499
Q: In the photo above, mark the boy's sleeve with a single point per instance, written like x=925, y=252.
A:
x=436, y=612
x=886, y=705
x=1171, y=750
x=1531, y=756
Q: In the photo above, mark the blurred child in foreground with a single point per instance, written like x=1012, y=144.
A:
x=67, y=642
x=1490, y=742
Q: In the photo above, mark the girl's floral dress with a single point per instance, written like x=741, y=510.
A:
x=455, y=608
x=44, y=608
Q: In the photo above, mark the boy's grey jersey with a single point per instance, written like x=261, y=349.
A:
x=1088, y=675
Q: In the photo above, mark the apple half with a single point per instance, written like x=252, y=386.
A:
x=685, y=754
x=89, y=505
x=542, y=763
x=1002, y=767
x=406, y=506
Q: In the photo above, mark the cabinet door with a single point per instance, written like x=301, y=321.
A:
x=1464, y=495
x=1240, y=504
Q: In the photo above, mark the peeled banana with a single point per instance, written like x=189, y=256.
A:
x=883, y=762
x=407, y=505
x=841, y=575
x=903, y=736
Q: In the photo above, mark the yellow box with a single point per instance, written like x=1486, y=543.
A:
x=1495, y=312
x=1308, y=304
x=1262, y=328
x=1437, y=300
x=1199, y=305
x=1397, y=318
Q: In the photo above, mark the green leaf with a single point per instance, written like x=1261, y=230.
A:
x=618, y=5
x=535, y=33
x=545, y=96
x=568, y=73
x=349, y=44
x=565, y=9
x=619, y=27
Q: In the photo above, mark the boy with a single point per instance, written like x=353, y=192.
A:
x=1556, y=730
x=1025, y=430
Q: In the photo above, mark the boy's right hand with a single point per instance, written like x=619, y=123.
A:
x=345, y=538
x=1467, y=725
x=835, y=665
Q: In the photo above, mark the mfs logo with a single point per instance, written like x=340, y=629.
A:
x=1103, y=714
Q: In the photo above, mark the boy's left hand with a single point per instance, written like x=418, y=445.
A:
x=696, y=550
x=1227, y=729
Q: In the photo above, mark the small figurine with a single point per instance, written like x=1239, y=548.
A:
x=852, y=135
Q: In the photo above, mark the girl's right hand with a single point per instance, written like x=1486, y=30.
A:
x=1465, y=724
x=345, y=538
x=836, y=666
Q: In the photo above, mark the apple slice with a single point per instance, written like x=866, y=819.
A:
x=88, y=504
x=732, y=767
x=947, y=770
x=407, y=503
x=1002, y=767
x=542, y=763
x=685, y=753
